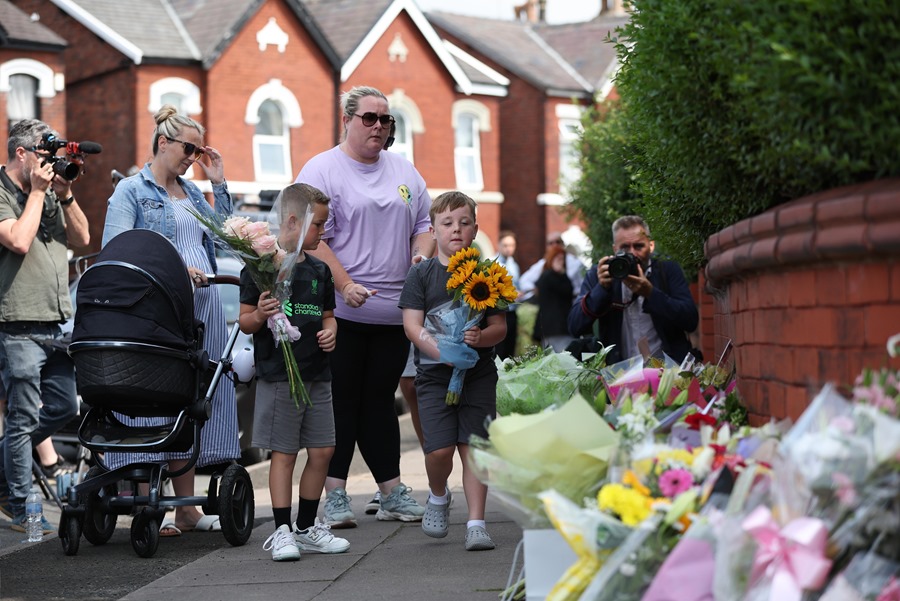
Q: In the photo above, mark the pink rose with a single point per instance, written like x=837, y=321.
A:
x=264, y=245
x=256, y=229
x=234, y=226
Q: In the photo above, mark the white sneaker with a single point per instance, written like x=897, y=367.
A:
x=282, y=545
x=319, y=539
x=374, y=505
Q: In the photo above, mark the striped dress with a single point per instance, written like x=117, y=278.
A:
x=219, y=437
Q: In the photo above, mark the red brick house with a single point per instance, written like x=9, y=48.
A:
x=264, y=77
x=32, y=71
x=555, y=71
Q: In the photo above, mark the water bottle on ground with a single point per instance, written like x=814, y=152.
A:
x=33, y=514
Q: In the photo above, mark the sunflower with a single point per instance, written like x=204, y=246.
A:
x=480, y=292
x=463, y=255
x=461, y=274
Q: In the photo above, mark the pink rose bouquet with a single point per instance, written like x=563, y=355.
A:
x=270, y=266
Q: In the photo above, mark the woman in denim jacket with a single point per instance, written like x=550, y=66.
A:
x=158, y=198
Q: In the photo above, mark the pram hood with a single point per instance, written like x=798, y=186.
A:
x=137, y=290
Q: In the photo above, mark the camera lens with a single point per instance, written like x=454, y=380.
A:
x=622, y=265
x=66, y=169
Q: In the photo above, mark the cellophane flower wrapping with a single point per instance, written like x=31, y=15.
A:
x=592, y=535
x=530, y=386
x=566, y=449
x=833, y=494
x=271, y=267
x=868, y=577
x=479, y=284
x=448, y=325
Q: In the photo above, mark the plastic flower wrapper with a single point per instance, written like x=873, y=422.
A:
x=479, y=285
x=629, y=571
x=566, y=449
x=592, y=534
x=687, y=572
x=868, y=577
x=530, y=384
x=271, y=267
x=834, y=447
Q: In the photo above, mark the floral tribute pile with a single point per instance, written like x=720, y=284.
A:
x=688, y=502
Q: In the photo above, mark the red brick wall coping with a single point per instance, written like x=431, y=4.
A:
x=851, y=222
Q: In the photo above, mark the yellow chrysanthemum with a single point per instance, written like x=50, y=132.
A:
x=631, y=506
x=463, y=272
x=461, y=256
x=480, y=292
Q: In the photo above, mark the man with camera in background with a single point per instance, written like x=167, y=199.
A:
x=39, y=217
x=641, y=304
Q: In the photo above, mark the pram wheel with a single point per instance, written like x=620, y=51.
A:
x=145, y=533
x=98, y=526
x=236, y=505
x=69, y=533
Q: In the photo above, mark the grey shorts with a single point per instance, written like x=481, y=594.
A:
x=446, y=426
x=410, y=370
x=278, y=424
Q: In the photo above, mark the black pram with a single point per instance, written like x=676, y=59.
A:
x=139, y=352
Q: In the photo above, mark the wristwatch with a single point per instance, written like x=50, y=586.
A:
x=67, y=201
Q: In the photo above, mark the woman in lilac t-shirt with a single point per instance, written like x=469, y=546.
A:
x=377, y=228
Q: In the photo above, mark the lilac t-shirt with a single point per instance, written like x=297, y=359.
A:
x=375, y=212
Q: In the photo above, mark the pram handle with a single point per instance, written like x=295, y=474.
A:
x=212, y=278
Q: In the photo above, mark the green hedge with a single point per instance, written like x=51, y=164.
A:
x=732, y=107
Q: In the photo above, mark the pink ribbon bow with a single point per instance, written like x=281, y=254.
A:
x=793, y=557
x=282, y=329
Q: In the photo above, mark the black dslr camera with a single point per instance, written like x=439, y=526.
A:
x=68, y=166
x=622, y=265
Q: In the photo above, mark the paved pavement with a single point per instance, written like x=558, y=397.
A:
x=386, y=560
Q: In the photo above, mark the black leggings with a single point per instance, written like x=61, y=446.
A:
x=365, y=368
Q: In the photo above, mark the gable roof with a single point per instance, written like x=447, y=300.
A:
x=585, y=46
x=19, y=31
x=354, y=26
x=186, y=30
x=570, y=59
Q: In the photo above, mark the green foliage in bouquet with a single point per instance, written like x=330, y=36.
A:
x=529, y=384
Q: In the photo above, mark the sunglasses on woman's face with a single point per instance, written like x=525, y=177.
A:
x=189, y=149
x=369, y=119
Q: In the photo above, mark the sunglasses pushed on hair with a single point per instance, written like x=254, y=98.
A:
x=189, y=149
x=369, y=119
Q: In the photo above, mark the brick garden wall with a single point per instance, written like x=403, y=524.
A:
x=809, y=292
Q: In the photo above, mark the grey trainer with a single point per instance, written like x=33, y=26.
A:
x=400, y=506
x=338, y=513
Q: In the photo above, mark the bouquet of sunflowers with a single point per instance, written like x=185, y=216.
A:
x=479, y=284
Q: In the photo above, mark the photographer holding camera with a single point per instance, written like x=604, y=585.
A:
x=39, y=217
x=635, y=298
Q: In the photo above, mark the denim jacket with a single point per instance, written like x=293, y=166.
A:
x=138, y=202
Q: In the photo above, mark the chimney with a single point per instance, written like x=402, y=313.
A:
x=528, y=9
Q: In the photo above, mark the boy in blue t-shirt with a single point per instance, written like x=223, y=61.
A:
x=277, y=422
x=447, y=428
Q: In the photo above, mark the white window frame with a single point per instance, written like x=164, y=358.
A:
x=47, y=84
x=402, y=104
x=568, y=119
x=405, y=149
x=189, y=92
x=481, y=122
x=275, y=92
